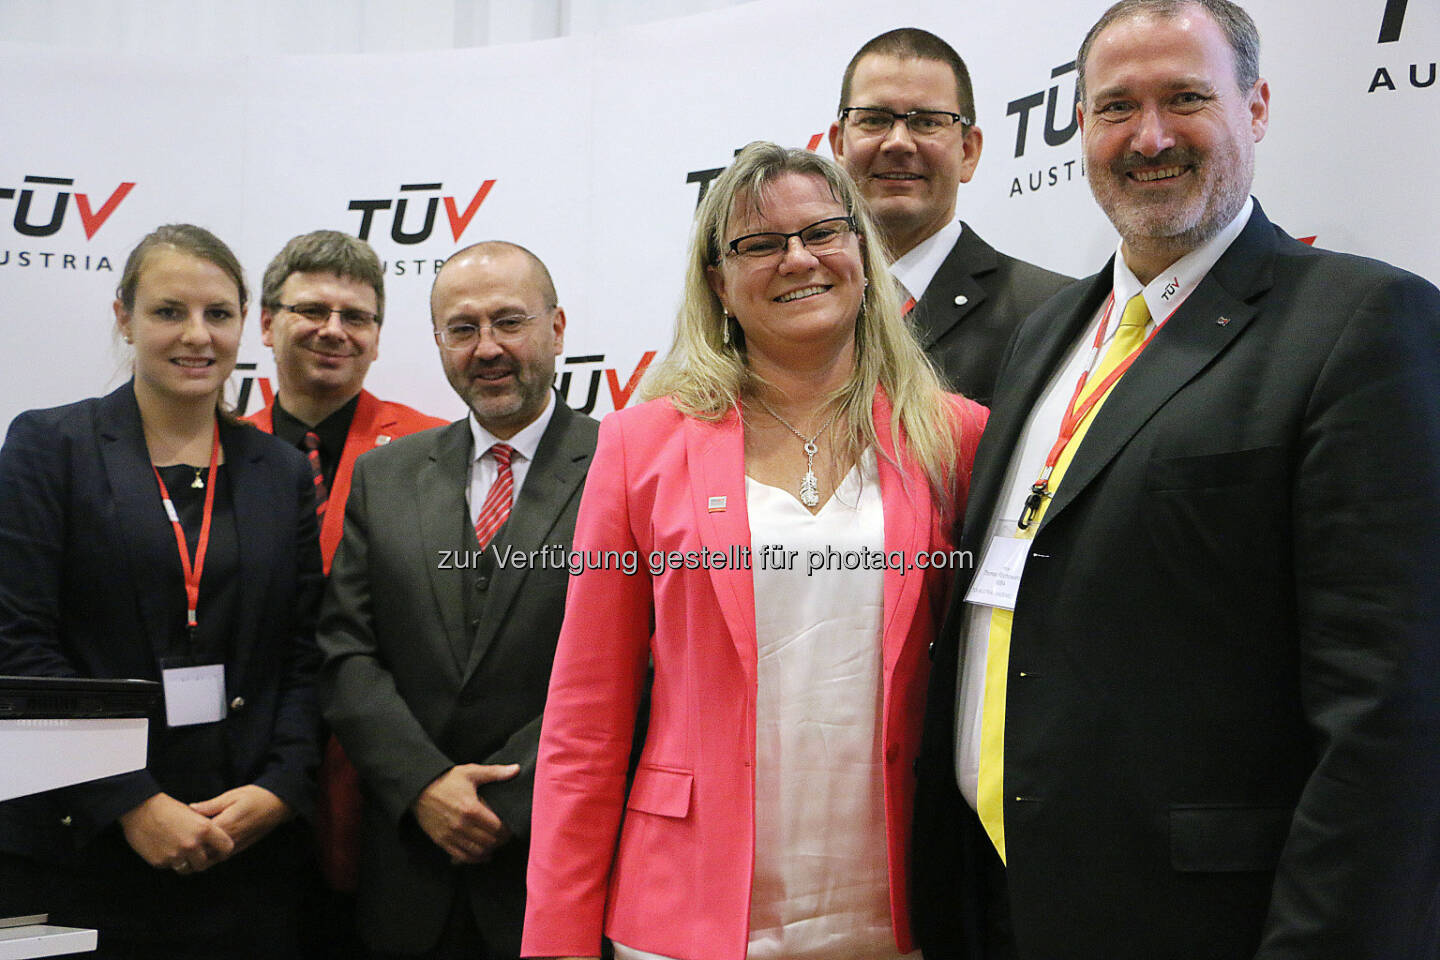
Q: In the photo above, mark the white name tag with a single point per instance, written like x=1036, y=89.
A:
x=194, y=694
x=997, y=582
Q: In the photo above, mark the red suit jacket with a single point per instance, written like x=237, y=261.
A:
x=337, y=812
x=678, y=883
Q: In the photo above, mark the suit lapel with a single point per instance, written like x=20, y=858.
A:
x=257, y=495
x=905, y=493
x=140, y=528
x=559, y=469
x=440, y=496
x=1038, y=350
x=358, y=439
x=1205, y=324
x=715, y=455
x=953, y=292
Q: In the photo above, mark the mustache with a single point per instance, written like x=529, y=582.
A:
x=476, y=369
x=1169, y=157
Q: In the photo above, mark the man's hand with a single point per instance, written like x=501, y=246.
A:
x=452, y=814
x=169, y=835
x=246, y=814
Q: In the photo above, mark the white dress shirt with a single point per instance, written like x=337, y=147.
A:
x=1163, y=296
x=917, y=268
x=483, y=468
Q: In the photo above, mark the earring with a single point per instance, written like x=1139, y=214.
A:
x=725, y=334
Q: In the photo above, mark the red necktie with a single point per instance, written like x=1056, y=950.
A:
x=496, y=509
x=312, y=453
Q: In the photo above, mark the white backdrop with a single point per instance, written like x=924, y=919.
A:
x=591, y=146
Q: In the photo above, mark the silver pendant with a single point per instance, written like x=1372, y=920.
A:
x=197, y=483
x=810, y=490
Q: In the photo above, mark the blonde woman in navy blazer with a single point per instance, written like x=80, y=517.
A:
x=195, y=855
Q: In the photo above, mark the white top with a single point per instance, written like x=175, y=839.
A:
x=483, y=468
x=917, y=268
x=1163, y=296
x=821, y=885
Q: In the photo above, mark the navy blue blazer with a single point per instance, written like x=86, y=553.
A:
x=81, y=511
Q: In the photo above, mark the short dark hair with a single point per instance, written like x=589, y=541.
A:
x=1240, y=32
x=188, y=239
x=325, y=251
x=912, y=43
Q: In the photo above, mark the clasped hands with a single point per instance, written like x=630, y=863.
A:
x=189, y=838
x=452, y=814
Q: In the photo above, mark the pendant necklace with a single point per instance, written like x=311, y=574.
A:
x=198, y=483
x=809, y=486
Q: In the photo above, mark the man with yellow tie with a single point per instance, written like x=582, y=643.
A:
x=1188, y=703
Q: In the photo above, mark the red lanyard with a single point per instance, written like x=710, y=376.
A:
x=1075, y=414
x=192, y=573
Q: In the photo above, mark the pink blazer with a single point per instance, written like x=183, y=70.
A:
x=678, y=881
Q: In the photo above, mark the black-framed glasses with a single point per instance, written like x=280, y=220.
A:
x=822, y=238
x=878, y=122
x=320, y=313
x=465, y=333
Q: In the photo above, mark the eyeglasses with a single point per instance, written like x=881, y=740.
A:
x=822, y=238
x=462, y=333
x=320, y=313
x=876, y=122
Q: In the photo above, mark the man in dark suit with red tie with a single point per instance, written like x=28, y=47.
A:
x=1188, y=705
x=907, y=134
x=440, y=621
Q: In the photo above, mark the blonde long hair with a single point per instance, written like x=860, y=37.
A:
x=704, y=377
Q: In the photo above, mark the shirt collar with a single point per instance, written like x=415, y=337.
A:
x=525, y=442
x=331, y=431
x=1165, y=293
x=918, y=267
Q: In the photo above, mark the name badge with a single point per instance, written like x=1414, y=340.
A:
x=997, y=582
x=194, y=694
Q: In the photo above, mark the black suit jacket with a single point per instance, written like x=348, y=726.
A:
x=1222, y=729
x=972, y=307
x=411, y=688
x=81, y=596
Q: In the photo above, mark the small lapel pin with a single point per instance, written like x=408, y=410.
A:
x=381, y=439
x=961, y=300
x=1223, y=321
x=717, y=504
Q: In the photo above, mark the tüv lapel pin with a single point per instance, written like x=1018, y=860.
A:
x=1223, y=321
x=716, y=504
x=961, y=300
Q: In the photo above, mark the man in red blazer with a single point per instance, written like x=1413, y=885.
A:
x=322, y=303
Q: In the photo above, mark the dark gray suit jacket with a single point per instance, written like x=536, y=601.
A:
x=1222, y=731
x=972, y=307
x=419, y=677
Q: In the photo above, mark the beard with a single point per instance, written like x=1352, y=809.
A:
x=1214, y=188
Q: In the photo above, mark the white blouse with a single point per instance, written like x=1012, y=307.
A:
x=821, y=886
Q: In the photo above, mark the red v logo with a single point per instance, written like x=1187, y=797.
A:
x=94, y=221
x=459, y=221
x=619, y=397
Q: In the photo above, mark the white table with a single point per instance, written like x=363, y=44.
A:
x=44, y=940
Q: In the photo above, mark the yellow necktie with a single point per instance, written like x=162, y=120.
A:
x=991, y=790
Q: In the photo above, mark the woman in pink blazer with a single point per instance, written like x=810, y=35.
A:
x=771, y=531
